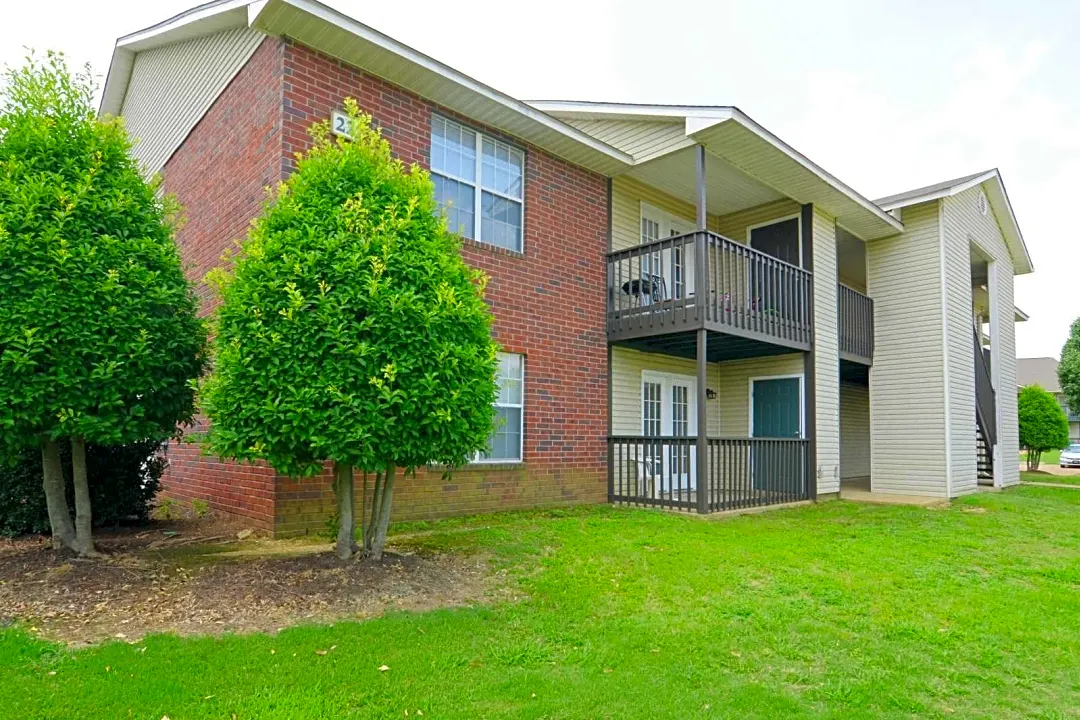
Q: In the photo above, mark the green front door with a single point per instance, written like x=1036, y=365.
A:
x=776, y=408
x=777, y=414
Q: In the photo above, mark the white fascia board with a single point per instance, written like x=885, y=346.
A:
x=202, y=20
x=332, y=17
x=626, y=111
x=941, y=193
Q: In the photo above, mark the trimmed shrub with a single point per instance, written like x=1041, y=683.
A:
x=1043, y=425
x=123, y=482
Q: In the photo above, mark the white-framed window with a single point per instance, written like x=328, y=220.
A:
x=505, y=443
x=479, y=184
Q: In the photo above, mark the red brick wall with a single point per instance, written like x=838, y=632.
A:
x=548, y=301
x=219, y=174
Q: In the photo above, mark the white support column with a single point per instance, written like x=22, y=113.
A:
x=995, y=365
x=826, y=354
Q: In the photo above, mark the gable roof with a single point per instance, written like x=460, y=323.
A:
x=729, y=133
x=331, y=32
x=994, y=187
x=1038, y=371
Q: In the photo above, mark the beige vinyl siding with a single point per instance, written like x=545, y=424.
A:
x=734, y=387
x=728, y=414
x=642, y=140
x=627, y=195
x=964, y=223
x=626, y=367
x=826, y=355
x=907, y=415
x=735, y=225
x=172, y=86
x=854, y=431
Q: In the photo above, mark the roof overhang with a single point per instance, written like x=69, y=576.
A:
x=335, y=34
x=1019, y=315
x=730, y=134
x=994, y=187
x=205, y=19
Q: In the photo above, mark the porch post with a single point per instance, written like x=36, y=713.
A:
x=702, y=422
x=809, y=365
x=702, y=218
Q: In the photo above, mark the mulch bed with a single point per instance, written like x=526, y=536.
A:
x=199, y=578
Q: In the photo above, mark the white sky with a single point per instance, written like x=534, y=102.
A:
x=887, y=96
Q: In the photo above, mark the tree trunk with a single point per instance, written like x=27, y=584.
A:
x=363, y=511
x=1034, y=459
x=379, y=541
x=63, y=531
x=376, y=503
x=343, y=488
x=84, y=539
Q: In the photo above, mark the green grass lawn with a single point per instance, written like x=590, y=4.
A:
x=835, y=610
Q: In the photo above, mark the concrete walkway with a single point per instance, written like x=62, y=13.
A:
x=1050, y=484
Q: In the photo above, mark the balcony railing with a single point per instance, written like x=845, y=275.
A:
x=856, y=325
x=741, y=472
x=702, y=279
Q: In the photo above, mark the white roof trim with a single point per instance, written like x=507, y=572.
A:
x=999, y=201
x=225, y=14
x=204, y=19
x=331, y=16
x=695, y=125
x=699, y=118
x=940, y=192
x=1019, y=315
x=628, y=111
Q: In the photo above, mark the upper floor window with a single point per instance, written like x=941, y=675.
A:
x=479, y=183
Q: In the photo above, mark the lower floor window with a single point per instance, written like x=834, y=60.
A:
x=505, y=443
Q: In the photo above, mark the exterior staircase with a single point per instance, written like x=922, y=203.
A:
x=985, y=415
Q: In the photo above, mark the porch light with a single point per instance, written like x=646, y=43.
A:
x=710, y=393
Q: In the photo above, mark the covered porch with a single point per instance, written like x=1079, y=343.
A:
x=733, y=473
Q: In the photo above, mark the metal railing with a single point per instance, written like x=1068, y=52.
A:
x=703, y=278
x=856, y=322
x=740, y=472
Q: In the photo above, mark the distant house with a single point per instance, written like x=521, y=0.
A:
x=1043, y=372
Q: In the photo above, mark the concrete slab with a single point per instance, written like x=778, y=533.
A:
x=859, y=491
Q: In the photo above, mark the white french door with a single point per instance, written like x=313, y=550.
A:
x=669, y=410
x=670, y=272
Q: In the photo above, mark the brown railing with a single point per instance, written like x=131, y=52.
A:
x=703, y=279
x=740, y=472
x=856, y=323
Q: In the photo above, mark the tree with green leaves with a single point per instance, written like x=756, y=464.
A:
x=1043, y=425
x=351, y=331
x=99, y=337
x=1069, y=367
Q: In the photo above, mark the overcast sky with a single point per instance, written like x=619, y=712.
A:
x=887, y=96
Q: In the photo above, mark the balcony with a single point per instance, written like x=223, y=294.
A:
x=702, y=280
x=855, y=329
